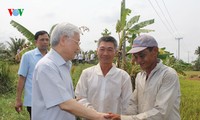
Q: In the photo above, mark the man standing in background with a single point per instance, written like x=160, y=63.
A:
x=26, y=68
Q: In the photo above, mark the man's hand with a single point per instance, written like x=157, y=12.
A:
x=104, y=116
x=77, y=99
x=18, y=106
x=113, y=116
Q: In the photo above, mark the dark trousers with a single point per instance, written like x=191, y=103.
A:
x=29, y=111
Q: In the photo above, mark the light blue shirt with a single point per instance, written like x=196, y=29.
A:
x=27, y=65
x=52, y=85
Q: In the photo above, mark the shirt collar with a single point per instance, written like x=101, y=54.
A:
x=111, y=71
x=37, y=52
x=54, y=56
x=158, y=66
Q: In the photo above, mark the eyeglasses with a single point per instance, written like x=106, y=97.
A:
x=77, y=42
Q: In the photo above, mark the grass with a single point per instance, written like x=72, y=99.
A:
x=7, y=111
x=190, y=105
x=189, y=109
x=76, y=72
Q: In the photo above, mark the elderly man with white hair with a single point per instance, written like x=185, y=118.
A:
x=53, y=92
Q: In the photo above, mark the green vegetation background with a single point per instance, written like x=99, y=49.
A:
x=190, y=90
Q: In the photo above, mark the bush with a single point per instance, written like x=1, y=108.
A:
x=196, y=66
x=6, y=83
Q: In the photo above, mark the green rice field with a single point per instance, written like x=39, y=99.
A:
x=189, y=109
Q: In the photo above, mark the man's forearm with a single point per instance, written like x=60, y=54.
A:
x=20, y=87
x=77, y=109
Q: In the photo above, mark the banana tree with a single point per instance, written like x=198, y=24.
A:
x=127, y=31
x=24, y=31
x=30, y=36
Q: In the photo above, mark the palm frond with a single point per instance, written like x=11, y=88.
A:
x=143, y=24
x=139, y=31
x=29, y=35
x=132, y=21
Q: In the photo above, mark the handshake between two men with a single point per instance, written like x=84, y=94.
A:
x=111, y=116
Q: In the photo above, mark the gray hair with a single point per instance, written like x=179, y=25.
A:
x=61, y=29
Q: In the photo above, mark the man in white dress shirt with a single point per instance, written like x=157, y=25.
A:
x=104, y=87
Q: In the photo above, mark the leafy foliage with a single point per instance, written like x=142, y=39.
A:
x=196, y=64
x=132, y=21
x=15, y=44
x=6, y=83
x=2, y=46
x=141, y=25
x=197, y=61
x=105, y=32
x=127, y=31
x=197, y=51
x=3, y=51
x=9, y=53
x=168, y=59
x=29, y=35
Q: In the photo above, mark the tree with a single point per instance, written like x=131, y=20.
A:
x=105, y=32
x=3, y=52
x=15, y=44
x=127, y=31
x=197, y=64
x=2, y=48
x=29, y=35
x=168, y=59
x=197, y=51
x=197, y=61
